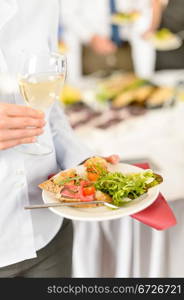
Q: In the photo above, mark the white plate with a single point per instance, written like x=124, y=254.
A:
x=103, y=213
x=174, y=43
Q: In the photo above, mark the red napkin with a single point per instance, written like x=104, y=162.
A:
x=159, y=214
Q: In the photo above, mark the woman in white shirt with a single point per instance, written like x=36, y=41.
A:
x=32, y=244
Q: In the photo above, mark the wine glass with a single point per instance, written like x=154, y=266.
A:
x=41, y=77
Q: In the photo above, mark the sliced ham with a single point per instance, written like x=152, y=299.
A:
x=75, y=192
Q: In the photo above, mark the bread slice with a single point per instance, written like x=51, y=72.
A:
x=50, y=186
x=55, y=189
x=53, y=185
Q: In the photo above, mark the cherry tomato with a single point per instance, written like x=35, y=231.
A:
x=92, y=176
x=87, y=191
x=84, y=183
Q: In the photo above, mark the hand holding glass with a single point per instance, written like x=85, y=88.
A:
x=41, y=80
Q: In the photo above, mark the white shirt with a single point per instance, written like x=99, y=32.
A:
x=30, y=25
x=86, y=18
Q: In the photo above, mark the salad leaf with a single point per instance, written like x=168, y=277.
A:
x=61, y=181
x=126, y=187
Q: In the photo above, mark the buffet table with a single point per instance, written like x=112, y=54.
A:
x=125, y=247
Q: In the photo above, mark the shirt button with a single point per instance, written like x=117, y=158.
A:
x=19, y=172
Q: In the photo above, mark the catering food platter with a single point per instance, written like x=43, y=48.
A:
x=114, y=99
x=120, y=90
x=134, y=91
x=127, y=187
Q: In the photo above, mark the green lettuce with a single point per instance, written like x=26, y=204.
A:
x=127, y=187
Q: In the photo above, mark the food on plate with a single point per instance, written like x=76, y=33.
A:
x=143, y=93
x=163, y=34
x=123, y=99
x=93, y=180
x=125, y=17
x=118, y=90
x=95, y=167
x=164, y=39
x=138, y=92
x=112, y=86
x=134, y=90
x=70, y=95
x=124, y=188
x=53, y=183
x=160, y=96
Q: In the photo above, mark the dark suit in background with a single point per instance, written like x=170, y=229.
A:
x=173, y=19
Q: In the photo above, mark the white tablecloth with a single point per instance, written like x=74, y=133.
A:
x=125, y=247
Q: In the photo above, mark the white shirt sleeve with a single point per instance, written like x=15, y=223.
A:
x=53, y=26
x=70, y=151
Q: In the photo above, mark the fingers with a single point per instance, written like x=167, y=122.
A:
x=102, y=45
x=19, y=123
x=9, y=144
x=8, y=134
x=147, y=34
x=20, y=111
x=106, y=49
x=113, y=159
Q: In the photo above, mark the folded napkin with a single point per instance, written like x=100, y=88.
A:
x=159, y=214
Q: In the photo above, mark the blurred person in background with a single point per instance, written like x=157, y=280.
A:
x=143, y=52
x=168, y=14
x=94, y=43
x=80, y=26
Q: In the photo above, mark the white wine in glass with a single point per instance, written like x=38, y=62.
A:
x=41, y=80
x=41, y=90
